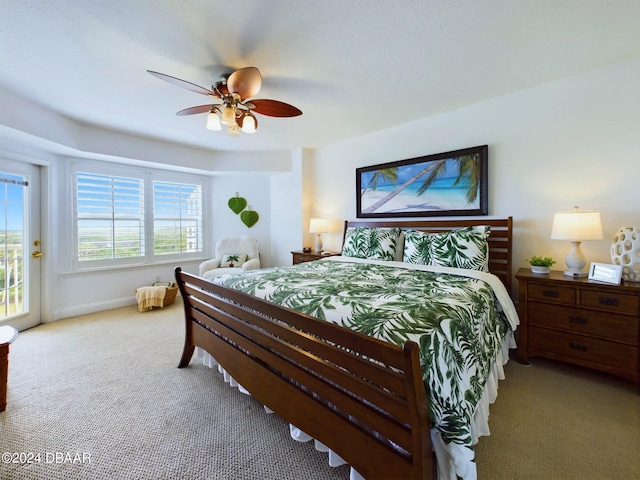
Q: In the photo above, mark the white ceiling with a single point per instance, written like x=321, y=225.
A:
x=352, y=67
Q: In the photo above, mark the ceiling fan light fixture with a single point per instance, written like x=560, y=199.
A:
x=213, y=121
x=233, y=130
x=249, y=124
x=235, y=111
x=228, y=116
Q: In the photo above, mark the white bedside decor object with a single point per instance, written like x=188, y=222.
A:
x=576, y=226
x=605, y=273
x=625, y=251
x=540, y=270
x=318, y=226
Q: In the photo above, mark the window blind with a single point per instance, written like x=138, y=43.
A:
x=110, y=217
x=177, y=218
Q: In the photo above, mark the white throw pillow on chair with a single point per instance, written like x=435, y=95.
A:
x=233, y=260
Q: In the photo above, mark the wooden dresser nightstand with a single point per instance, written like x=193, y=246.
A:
x=7, y=335
x=301, y=257
x=590, y=324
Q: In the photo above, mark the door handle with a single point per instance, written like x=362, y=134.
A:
x=36, y=254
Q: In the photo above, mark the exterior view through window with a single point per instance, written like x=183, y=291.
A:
x=177, y=218
x=110, y=213
x=124, y=220
x=12, y=267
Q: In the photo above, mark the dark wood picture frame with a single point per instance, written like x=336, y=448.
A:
x=443, y=184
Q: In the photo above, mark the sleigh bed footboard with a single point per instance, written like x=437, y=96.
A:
x=361, y=397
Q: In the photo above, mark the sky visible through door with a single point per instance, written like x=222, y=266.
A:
x=12, y=248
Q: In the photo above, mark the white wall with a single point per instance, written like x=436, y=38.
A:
x=572, y=142
x=287, y=205
x=255, y=188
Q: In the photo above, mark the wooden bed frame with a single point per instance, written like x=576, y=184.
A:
x=361, y=397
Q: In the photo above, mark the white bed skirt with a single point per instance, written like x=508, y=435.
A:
x=454, y=461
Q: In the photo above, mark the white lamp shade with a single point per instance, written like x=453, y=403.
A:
x=249, y=124
x=318, y=225
x=577, y=225
x=213, y=122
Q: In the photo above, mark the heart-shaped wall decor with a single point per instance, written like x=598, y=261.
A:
x=237, y=204
x=249, y=217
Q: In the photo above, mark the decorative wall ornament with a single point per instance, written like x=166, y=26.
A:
x=237, y=203
x=625, y=251
x=248, y=216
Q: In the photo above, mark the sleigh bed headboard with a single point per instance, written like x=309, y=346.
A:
x=500, y=238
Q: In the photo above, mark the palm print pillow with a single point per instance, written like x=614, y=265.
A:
x=462, y=248
x=371, y=243
x=417, y=247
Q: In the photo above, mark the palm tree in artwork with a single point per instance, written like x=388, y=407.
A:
x=390, y=174
x=468, y=170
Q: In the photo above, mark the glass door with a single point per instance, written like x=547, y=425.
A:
x=20, y=248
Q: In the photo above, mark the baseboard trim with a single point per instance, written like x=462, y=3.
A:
x=93, y=307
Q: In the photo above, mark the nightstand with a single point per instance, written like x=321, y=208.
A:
x=594, y=325
x=7, y=335
x=301, y=257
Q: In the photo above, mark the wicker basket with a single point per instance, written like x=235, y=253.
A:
x=170, y=295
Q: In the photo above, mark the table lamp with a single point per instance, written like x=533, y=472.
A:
x=576, y=226
x=318, y=226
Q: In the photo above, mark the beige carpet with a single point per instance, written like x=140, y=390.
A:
x=556, y=421
x=99, y=397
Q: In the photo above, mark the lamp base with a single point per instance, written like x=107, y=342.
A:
x=318, y=244
x=575, y=261
x=569, y=273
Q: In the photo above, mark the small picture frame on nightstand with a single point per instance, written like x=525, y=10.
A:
x=605, y=273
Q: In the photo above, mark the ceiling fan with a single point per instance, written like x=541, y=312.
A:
x=235, y=110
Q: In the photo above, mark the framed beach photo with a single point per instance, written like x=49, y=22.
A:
x=451, y=183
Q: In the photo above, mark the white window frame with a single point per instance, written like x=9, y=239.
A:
x=148, y=176
x=181, y=179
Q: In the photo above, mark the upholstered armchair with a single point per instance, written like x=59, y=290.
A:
x=233, y=255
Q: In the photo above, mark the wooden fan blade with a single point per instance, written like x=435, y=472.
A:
x=182, y=83
x=246, y=82
x=221, y=88
x=274, y=108
x=195, y=110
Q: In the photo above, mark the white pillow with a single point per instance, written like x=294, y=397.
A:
x=233, y=260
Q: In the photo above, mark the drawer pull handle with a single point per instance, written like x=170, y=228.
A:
x=551, y=293
x=578, y=320
x=578, y=346
x=608, y=301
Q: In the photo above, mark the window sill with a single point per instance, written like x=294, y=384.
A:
x=133, y=266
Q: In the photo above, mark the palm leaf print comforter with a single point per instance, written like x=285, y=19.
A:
x=459, y=321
